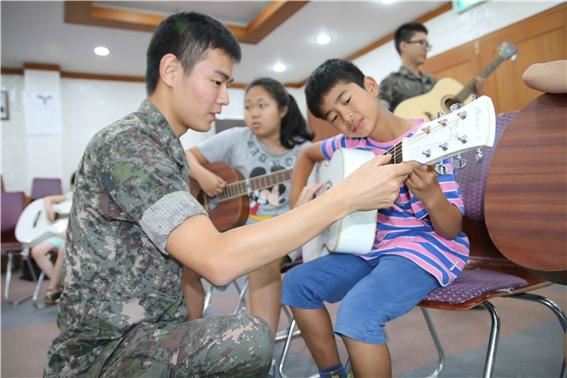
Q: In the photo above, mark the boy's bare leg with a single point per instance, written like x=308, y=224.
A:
x=265, y=287
x=317, y=331
x=369, y=360
x=193, y=292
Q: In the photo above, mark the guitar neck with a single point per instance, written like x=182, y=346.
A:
x=244, y=187
x=468, y=89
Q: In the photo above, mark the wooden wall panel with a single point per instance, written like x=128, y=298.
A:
x=539, y=38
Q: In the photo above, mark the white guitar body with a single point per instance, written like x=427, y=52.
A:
x=33, y=227
x=355, y=232
x=470, y=127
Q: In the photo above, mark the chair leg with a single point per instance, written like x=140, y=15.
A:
x=8, y=281
x=555, y=309
x=37, y=289
x=283, y=334
x=241, y=296
x=493, y=340
x=285, y=349
x=208, y=296
x=435, y=337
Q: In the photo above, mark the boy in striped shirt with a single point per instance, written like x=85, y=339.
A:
x=419, y=245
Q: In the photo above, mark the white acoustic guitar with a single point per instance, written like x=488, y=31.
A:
x=33, y=227
x=470, y=127
x=448, y=91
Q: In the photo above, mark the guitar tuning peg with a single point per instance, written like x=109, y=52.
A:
x=439, y=115
x=454, y=107
x=479, y=156
x=459, y=162
x=474, y=96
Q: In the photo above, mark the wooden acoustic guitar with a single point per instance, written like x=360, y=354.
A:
x=526, y=191
x=447, y=91
x=470, y=127
x=230, y=208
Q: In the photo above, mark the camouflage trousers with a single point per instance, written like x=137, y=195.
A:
x=223, y=346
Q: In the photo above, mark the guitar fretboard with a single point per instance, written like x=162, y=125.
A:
x=396, y=152
x=244, y=187
x=469, y=88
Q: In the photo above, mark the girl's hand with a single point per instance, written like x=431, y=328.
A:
x=211, y=184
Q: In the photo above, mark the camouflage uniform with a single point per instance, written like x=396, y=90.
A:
x=122, y=312
x=401, y=85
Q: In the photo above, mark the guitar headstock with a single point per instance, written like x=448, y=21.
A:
x=508, y=50
x=471, y=126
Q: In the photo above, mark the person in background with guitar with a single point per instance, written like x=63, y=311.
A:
x=275, y=131
x=53, y=271
x=419, y=245
x=412, y=45
x=134, y=225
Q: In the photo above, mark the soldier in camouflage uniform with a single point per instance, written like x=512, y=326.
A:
x=122, y=310
x=134, y=225
x=412, y=45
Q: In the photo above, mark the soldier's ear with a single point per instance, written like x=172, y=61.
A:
x=169, y=69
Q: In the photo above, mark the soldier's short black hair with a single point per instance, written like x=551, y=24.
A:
x=293, y=128
x=325, y=77
x=187, y=35
x=406, y=32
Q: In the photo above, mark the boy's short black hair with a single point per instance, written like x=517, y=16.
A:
x=325, y=77
x=187, y=35
x=406, y=32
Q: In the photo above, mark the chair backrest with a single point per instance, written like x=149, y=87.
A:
x=472, y=178
x=42, y=187
x=13, y=204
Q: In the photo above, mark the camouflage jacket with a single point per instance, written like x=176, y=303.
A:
x=132, y=191
x=401, y=85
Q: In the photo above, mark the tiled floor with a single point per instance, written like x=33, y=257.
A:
x=531, y=343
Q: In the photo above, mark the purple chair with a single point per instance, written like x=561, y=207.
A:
x=13, y=203
x=488, y=274
x=42, y=187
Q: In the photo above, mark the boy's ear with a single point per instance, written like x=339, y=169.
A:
x=371, y=85
x=169, y=68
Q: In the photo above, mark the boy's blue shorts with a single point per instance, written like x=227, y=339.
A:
x=373, y=292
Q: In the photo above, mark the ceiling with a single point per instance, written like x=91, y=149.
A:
x=270, y=32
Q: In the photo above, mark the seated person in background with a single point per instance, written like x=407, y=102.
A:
x=53, y=271
x=412, y=45
x=275, y=131
x=419, y=245
x=550, y=77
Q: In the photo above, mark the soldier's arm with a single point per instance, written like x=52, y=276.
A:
x=221, y=257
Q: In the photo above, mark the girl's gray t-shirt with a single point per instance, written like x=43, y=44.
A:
x=239, y=148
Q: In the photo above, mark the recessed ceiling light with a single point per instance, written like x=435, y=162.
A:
x=323, y=39
x=387, y=1
x=279, y=67
x=101, y=51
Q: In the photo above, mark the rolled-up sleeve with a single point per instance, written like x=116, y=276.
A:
x=166, y=214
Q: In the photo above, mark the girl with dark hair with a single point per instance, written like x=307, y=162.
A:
x=275, y=132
